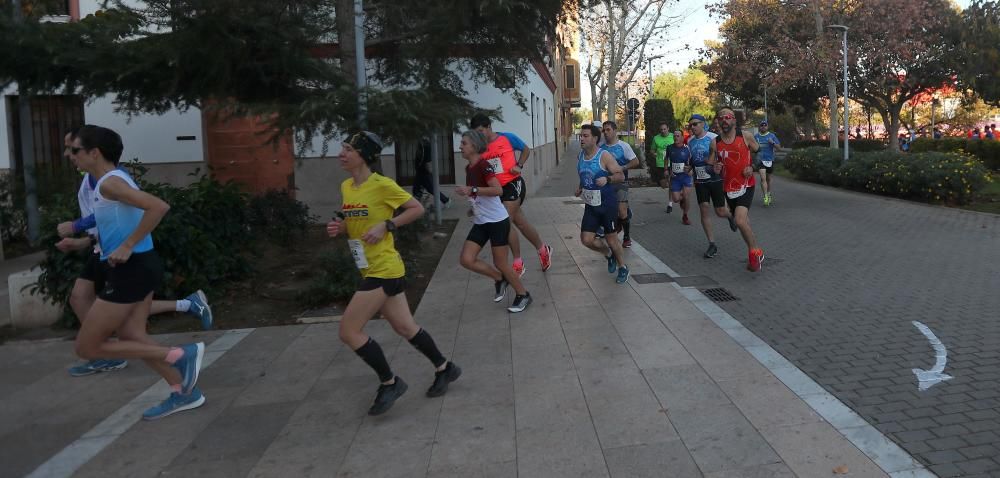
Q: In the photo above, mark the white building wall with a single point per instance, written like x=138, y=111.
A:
x=152, y=138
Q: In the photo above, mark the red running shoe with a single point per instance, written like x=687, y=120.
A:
x=627, y=243
x=685, y=220
x=545, y=257
x=756, y=259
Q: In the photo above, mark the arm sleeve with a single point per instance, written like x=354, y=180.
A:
x=394, y=195
x=515, y=142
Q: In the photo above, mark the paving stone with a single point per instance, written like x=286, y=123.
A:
x=719, y=438
x=651, y=460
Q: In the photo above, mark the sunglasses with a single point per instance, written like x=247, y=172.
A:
x=727, y=117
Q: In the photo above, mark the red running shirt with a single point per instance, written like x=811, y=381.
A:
x=735, y=158
x=500, y=154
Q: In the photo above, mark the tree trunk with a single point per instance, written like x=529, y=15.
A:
x=595, y=101
x=345, y=36
x=831, y=81
x=892, y=127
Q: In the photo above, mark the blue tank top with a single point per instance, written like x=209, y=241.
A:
x=590, y=170
x=678, y=155
x=618, y=152
x=117, y=220
x=701, y=148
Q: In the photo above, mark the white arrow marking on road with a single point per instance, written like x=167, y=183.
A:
x=934, y=376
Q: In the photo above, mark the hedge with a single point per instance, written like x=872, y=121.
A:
x=857, y=145
x=934, y=177
x=986, y=150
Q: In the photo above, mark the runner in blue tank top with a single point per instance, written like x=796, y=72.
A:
x=707, y=181
x=598, y=172
x=769, y=143
x=626, y=158
x=125, y=218
x=679, y=167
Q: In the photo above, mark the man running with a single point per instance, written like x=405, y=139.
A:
x=626, y=158
x=681, y=182
x=598, y=170
x=734, y=148
x=707, y=181
x=92, y=278
x=768, y=143
x=500, y=154
x=490, y=223
x=659, y=147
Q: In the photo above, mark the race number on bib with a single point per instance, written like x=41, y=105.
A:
x=701, y=173
x=591, y=197
x=358, y=251
x=496, y=165
x=767, y=164
x=677, y=168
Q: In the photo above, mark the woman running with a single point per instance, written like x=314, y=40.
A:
x=370, y=200
x=132, y=270
x=681, y=182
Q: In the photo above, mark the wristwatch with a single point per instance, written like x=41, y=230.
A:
x=389, y=225
x=475, y=190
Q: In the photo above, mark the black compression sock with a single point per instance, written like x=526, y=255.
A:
x=372, y=354
x=425, y=344
x=626, y=225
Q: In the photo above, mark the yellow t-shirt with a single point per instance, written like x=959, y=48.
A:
x=372, y=203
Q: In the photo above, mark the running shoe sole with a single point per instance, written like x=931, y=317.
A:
x=190, y=406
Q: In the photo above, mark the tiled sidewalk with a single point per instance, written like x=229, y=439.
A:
x=594, y=379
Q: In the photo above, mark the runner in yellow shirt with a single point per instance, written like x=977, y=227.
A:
x=370, y=201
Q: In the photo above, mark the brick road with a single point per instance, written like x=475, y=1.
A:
x=845, y=276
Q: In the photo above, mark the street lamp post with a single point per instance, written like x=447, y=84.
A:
x=847, y=102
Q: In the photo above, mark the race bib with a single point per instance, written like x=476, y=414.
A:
x=496, y=165
x=591, y=197
x=677, y=168
x=701, y=173
x=739, y=192
x=477, y=210
x=358, y=251
x=767, y=164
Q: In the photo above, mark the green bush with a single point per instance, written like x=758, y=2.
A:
x=337, y=279
x=278, y=216
x=986, y=150
x=204, y=240
x=857, y=145
x=952, y=178
x=657, y=111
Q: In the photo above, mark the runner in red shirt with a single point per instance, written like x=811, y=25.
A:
x=500, y=154
x=736, y=166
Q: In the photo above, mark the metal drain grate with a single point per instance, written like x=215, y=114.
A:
x=719, y=294
x=651, y=278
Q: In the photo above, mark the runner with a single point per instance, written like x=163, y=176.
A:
x=500, y=152
x=660, y=176
x=370, y=200
x=707, y=181
x=768, y=143
x=491, y=223
x=598, y=170
x=91, y=279
x=681, y=182
x=626, y=158
x=734, y=146
x=132, y=271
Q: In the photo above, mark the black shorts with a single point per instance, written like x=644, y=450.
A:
x=496, y=233
x=767, y=169
x=656, y=173
x=93, y=271
x=710, y=191
x=132, y=281
x=514, y=190
x=745, y=200
x=390, y=286
x=595, y=217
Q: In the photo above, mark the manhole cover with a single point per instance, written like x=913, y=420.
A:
x=695, y=281
x=719, y=294
x=651, y=278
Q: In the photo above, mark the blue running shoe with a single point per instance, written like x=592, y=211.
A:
x=189, y=365
x=201, y=309
x=97, y=366
x=622, y=275
x=612, y=264
x=176, y=402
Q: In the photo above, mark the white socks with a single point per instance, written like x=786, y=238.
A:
x=183, y=305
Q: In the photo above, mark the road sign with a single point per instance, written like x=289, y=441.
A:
x=632, y=104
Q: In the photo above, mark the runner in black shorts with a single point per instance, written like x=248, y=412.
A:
x=370, y=200
x=490, y=223
x=125, y=218
x=599, y=172
x=735, y=147
x=707, y=181
x=514, y=191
